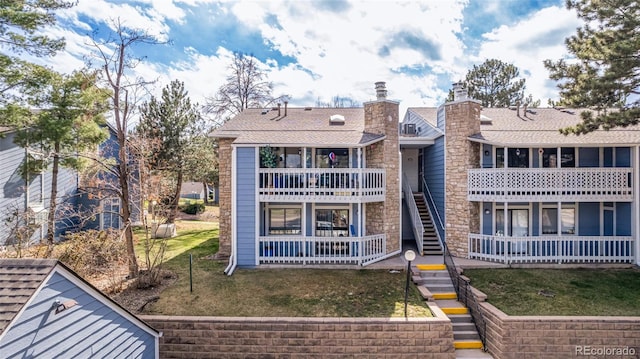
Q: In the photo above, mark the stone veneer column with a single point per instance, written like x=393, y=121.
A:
x=462, y=119
x=381, y=117
x=224, y=187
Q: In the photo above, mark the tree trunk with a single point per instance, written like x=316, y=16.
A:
x=125, y=208
x=51, y=216
x=173, y=212
x=206, y=193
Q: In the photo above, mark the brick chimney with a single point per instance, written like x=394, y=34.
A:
x=461, y=120
x=382, y=117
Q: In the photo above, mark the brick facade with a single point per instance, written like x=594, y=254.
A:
x=382, y=117
x=518, y=337
x=224, y=168
x=223, y=337
x=462, y=119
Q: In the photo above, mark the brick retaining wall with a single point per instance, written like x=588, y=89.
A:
x=525, y=337
x=224, y=337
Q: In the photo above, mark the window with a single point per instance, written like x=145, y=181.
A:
x=518, y=222
x=110, y=213
x=332, y=222
x=499, y=157
x=550, y=220
x=519, y=157
x=285, y=221
x=567, y=157
x=549, y=157
x=332, y=158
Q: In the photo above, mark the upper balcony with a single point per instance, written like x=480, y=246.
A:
x=321, y=185
x=550, y=184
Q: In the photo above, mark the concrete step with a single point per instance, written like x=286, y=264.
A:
x=472, y=354
x=436, y=279
x=460, y=318
x=463, y=326
x=466, y=335
x=435, y=273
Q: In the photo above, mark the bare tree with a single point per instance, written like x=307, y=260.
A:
x=114, y=56
x=246, y=86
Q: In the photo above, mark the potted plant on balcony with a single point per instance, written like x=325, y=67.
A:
x=268, y=159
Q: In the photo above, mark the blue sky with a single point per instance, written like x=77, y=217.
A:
x=315, y=50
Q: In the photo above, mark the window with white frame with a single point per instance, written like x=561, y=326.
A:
x=565, y=224
x=285, y=221
x=110, y=213
x=332, y=222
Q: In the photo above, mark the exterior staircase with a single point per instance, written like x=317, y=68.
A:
x=431, y=244
x=435, y=284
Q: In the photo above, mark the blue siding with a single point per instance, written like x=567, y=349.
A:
x=589, y=219
x=623, y=219
x=12, y=196
x=245, y=206
x=309, y=220
x=535, y=218
x=589, y=157
x=89, y=329
x=608, y=157
x=434, y=176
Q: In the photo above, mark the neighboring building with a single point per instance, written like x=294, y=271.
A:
x=47, y=311
x=80, y=205
x=503, y=184
x=27, y=199
x=310, y=185
x=192, y=190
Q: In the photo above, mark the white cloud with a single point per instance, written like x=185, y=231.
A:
x=529, y=42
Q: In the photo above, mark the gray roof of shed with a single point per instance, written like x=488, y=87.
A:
x=301, y=126
x=19, y=280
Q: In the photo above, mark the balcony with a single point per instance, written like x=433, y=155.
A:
x=550, y=184
x=321, y=250
x=552, y=249
x=334, y=185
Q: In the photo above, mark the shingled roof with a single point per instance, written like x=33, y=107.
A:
x=300, y=126
x=538, y=127
x=19, y=280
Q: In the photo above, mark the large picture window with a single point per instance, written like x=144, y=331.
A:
x=332, y=158
x=285, y=221
x=550, y=220
x=332, y=222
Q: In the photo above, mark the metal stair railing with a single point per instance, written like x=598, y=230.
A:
x=418, y=227
x=465, y=295
x=431, y=204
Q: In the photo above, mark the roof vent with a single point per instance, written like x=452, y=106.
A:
x=264, y=111
x=307, y=108
x=484, y=120
x=336, y=120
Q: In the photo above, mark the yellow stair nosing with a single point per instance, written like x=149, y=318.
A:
x=457, y=310
x=451, y=295
x=467, y=344
x=431, y=266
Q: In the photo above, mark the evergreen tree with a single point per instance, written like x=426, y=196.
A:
x=20, y=25
x=170, y=124
x=495, y=84
x=606, y=74
x=67, y=122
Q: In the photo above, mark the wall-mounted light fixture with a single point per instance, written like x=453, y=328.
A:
x=486, y=153
x=487, y=211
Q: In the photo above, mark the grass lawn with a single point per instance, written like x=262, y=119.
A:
x=291, y=292
x=599, y=292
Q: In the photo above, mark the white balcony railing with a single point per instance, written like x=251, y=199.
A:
x=550, y=184
x=321, y=250
x=341, y=185
x=552, y=249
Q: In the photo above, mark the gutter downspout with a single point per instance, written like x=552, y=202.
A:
x=234, y=245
